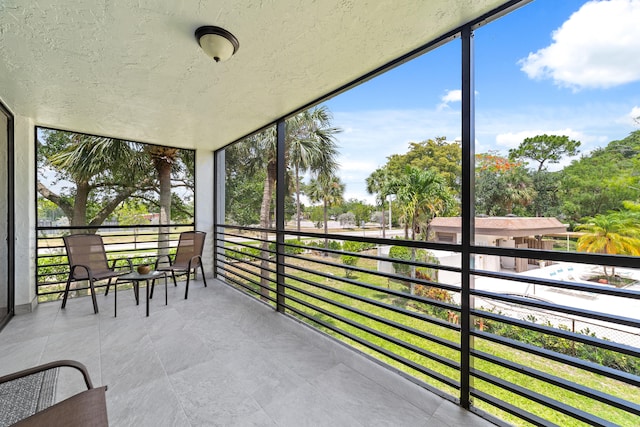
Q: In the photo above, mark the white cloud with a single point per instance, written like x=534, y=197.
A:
x=452, y=96
x=597, y=47
x=635, y=115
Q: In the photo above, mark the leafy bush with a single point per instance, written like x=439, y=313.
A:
x=604, y=357
x=350, y=260
x=436, y=294
x=402, y=253
x=420, y=255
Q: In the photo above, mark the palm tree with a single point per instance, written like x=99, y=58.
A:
x=163, y=159
x=378, y=184
x=94, y=163
x=328, y=189
x=311, y=146
x=613, y=233
x=422, y=195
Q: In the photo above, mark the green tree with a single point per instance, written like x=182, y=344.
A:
x=260, y=151
x=328, y=190
x=601, y=181
x=502, y=186
x=616, y=233
x=378, y=185
x=436, y=154
x=102, y=171
x=422, y=195
x=545, y=149
x=311, y=146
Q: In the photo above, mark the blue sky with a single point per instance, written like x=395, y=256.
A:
x=566, y=67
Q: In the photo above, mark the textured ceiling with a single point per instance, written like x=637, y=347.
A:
x=133, y=69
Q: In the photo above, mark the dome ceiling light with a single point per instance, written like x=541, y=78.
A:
x=217, y=42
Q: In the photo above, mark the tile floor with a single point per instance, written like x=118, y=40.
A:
x=218, y=358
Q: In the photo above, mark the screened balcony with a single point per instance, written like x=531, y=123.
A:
x=391, y=318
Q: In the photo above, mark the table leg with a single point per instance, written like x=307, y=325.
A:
x=166, y=300
x=115, y=299
x=147, y=281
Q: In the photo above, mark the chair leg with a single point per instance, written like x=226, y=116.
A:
x=173, y=275
x=186, y=291
x=108, y=285
x=66, y=293
x=93, y=297
x=203, y=278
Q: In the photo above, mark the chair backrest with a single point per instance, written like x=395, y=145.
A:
x=191, y=243
x=88, y=250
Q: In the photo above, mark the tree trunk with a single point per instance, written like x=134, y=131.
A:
x=326, y=226
x=383, y=220
x=164, y=178
x=267, y=194
x=297, y=199
x=79, y=218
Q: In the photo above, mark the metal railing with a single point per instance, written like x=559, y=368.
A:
x=529, y=364
x=141, y=244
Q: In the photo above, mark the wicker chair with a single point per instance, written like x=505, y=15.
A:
x=88, y=261
x=187, y=259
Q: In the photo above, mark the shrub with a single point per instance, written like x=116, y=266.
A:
x=402, y=253
x=335, y=245
x=420, y=255
x=350, y=260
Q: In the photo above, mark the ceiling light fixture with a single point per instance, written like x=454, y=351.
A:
x=218, y=43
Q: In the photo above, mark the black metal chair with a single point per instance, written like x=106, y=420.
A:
x=88, y=261
x=187, y=259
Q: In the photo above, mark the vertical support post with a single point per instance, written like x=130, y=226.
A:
x=219, y=207
x=280, y=222
x=468, y=214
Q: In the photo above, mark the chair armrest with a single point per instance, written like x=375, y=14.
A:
x=159, y=258
x=114, y=262
x=72, y=269
x=51, y=365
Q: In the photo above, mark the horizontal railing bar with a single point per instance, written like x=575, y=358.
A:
x=246, y=238
x=426, y=371
x=561, y=358
x=408, y=329
x=409, y=313
x=528, y=302
x=337, y=236
x=559, y=382
x=226, y=248
x=511, y=409
x=269, y=297
x=97, y=227
x=440, y=304
x=562, y=256
x=573, y=336
x=618, y=292
x=247, y=271
x=375, y=257
x=541, y=399
x=426, y=353
x=398, y=277
x=251, y=263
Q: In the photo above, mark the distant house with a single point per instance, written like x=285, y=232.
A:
x=508, y=231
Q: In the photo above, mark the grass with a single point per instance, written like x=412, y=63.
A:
x=596, y=382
